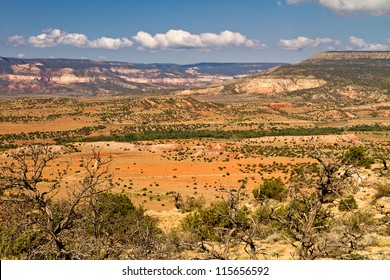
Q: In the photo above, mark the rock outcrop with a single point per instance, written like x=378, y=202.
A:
x=277, y=85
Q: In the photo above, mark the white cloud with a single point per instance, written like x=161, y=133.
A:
x=56, y=37
x=301, y=43
x=110, y=43
x=21, y=55
x=362, y=45
x=376, y=7
x=16, y=40
x=146, y=40
x=180, y=39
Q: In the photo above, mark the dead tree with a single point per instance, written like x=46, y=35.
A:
x=381, y=153
x=244, y=226
x=25, y=174
x=306, y=218
x=225, y=226
x=336, y=176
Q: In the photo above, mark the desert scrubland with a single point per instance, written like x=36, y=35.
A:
x=291, y=163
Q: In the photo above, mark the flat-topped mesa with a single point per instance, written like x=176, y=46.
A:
x=348, y=55
x=350, y=76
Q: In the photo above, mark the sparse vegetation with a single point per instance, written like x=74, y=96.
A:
x=251, y=177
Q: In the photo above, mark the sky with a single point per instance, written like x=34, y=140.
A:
x=191, y=31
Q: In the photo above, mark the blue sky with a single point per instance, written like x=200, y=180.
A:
x=191, y=31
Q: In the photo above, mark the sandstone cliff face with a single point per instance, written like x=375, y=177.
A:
x=24, y=73
x=20, y=78
x=50, y=75
x=191, y=81
x=26, y=69
x=277, y=85
x=202, y=91
x=144, y=78
x=64, y=79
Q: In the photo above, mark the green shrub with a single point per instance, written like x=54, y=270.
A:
x=16, y=242
x=207, y=223
x=356, y=221
x=116, y=218
x=262, y=214
x=347, y=204
x=355, y=257
x=192, y=203
x=271, y=188
x=356, y=156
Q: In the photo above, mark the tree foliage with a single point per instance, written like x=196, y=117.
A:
x=271, y=189
x=348, y=204
x=357, y=156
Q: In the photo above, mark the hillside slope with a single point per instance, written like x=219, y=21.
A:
x=349, y=77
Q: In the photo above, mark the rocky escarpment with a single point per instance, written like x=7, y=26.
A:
x=277, y=85
x=348, y=55
x=331, y=77
x=96, y=77
x=260, y=86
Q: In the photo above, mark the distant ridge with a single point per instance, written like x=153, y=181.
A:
x=343, y=55
x=83, y=76
x=206, y=67
x=336, y=75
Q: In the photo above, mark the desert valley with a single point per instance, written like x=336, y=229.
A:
x=203, y=161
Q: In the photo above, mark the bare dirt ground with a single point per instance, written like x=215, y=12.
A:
x=149, y=173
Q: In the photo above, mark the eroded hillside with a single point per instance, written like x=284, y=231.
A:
x=86, y=77
x=335, y=78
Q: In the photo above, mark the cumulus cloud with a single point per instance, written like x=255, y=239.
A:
x=362, y=45
x=110, y=43
x=301, y=43
x=21, y=55
x=56, y=37
x=15, y=40
x=180, y=39
x=376, y=7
